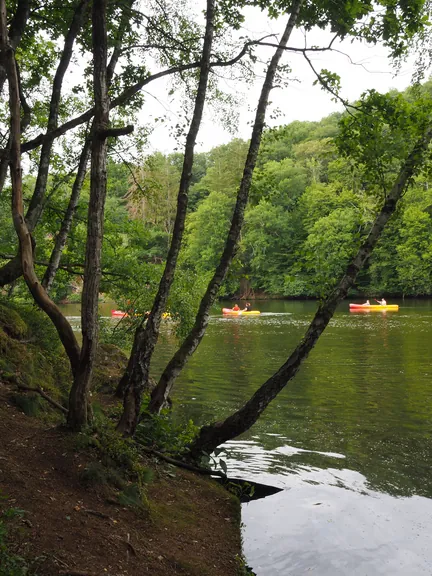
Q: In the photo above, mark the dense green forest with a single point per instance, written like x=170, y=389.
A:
x=308, y=207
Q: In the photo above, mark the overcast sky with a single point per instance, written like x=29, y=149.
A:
x=371, y=68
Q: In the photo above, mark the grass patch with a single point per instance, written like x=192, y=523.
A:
x=95, y=473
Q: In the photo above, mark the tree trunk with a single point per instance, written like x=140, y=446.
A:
x=25, y=241
x=146, y=340
x=78, y=415
x=215, y=434
x=63, y=234
x=191, y=342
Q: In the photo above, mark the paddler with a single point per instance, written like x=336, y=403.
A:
x=236, y=308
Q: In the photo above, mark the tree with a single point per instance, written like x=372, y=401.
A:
x=137, y=375
x=191, y=342
x=152, y=194
x=390, y=117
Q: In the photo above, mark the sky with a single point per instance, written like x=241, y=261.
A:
x=362, y=68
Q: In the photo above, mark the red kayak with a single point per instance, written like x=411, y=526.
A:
x=119, y=314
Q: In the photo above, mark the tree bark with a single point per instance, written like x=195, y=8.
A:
x=146, y=339
x=78, y=416
x=215, y=434
x=25, y=241
x=63, y=234
x=191, y=342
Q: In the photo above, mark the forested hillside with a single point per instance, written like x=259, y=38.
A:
x=309, y=205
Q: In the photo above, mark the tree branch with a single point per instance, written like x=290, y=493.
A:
x=115, y=132
x=126, y=95
x=44, y=395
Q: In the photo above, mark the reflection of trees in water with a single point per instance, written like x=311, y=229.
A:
x=364, y=393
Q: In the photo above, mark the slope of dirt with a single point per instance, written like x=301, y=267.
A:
x=190, y=525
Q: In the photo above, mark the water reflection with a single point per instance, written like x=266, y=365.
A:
x=327, y=520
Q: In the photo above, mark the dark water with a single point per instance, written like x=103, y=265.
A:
x=348, y=440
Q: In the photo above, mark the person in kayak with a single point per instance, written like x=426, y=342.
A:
x=367, y=303
x=248, y=307
x=236, y=307
x=382, y=302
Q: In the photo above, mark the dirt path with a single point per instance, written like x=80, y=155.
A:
x=190, y=526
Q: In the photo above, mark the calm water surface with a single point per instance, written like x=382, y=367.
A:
x=348, y=440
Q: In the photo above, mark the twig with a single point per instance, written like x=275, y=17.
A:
x=44, y=395
x=60, y=561
x=98, y=514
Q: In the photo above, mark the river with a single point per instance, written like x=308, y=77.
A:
x=348, y=440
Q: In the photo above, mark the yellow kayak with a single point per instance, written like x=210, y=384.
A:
x=373, y=307
x=239, y=312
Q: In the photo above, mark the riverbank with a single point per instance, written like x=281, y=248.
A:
x=70, y=508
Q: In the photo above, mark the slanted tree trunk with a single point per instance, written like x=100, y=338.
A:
x=191, y=342
x=215, y=434
x=36, y=203
x=66, y=224
x=78, y=415
x=145, y=340
x=25, y=241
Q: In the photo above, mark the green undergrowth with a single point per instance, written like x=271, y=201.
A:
x=31, y=355
x=12, y=563
x=160, y=432
x=117, y=463
x=242, y=568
